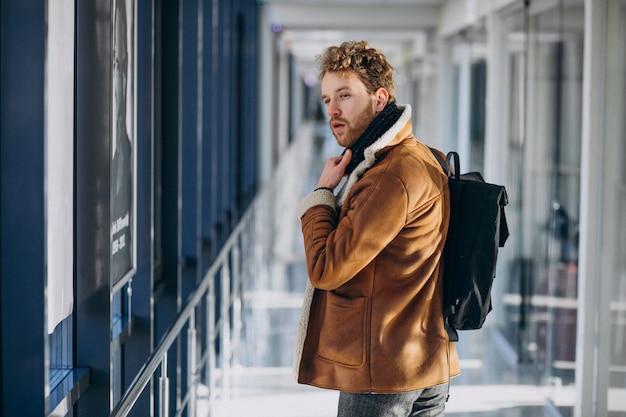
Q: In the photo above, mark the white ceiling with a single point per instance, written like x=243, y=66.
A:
x=308, y=26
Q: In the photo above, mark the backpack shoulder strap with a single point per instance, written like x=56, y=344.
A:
x=442, y=162
x=449, y=309
x=453, y=160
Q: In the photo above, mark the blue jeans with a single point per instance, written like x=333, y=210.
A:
x=428, y=402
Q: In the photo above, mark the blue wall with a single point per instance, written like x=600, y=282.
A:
x=195, y=170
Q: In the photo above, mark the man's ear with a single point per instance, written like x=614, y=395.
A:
x=382, y=97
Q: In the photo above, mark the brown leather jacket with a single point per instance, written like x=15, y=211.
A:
x=373, y=322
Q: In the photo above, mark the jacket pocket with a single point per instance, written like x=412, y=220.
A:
x=342, y=337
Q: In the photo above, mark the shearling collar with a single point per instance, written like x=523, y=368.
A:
x=370, y=153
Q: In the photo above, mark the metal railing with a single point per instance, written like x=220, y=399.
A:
x=220, y=293
x=246, y=264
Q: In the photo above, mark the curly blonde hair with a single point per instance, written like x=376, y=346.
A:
x=367, y=62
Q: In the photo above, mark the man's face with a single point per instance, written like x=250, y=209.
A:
x=350, y=107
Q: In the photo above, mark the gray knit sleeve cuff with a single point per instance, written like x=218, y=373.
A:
x=321, y=197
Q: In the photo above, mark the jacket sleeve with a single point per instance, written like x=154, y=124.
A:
x=319, y=197
x=336, y=250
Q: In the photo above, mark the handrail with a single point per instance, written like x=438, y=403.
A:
x=174, y=331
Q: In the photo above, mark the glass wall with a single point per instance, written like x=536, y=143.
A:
x=544, y=67
x=615, y=191
x=515, y=275
x=552, y=190
x=467, y=113
x=59, y=149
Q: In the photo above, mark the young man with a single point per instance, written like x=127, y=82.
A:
x=372, y=321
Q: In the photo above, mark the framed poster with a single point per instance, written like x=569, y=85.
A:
x=123, y=179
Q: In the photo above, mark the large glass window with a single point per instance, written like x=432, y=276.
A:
x=552, y=191
x=468, y=97
x=544, y=77
x=615, y=186
x=59, y=129
x=514, y=292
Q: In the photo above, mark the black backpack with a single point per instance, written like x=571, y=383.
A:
x=477, y=229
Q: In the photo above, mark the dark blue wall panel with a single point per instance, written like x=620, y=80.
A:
x=22, y=237
x=196, y=167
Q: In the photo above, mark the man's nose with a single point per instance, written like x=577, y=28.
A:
x=332, y=109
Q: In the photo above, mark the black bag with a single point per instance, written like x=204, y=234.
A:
x=477, y=229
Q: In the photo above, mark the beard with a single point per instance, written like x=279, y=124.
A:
x=353, y=131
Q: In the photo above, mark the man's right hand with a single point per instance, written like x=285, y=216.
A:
x=334, y=170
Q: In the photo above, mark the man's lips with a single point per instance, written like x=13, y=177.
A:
x=335, y=125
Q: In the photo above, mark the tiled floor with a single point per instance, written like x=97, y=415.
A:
x=488, y=387
x=491, y=384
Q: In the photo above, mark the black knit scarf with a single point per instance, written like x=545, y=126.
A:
x=381, y=123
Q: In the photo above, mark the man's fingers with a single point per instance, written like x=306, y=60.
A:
x=345, y=158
